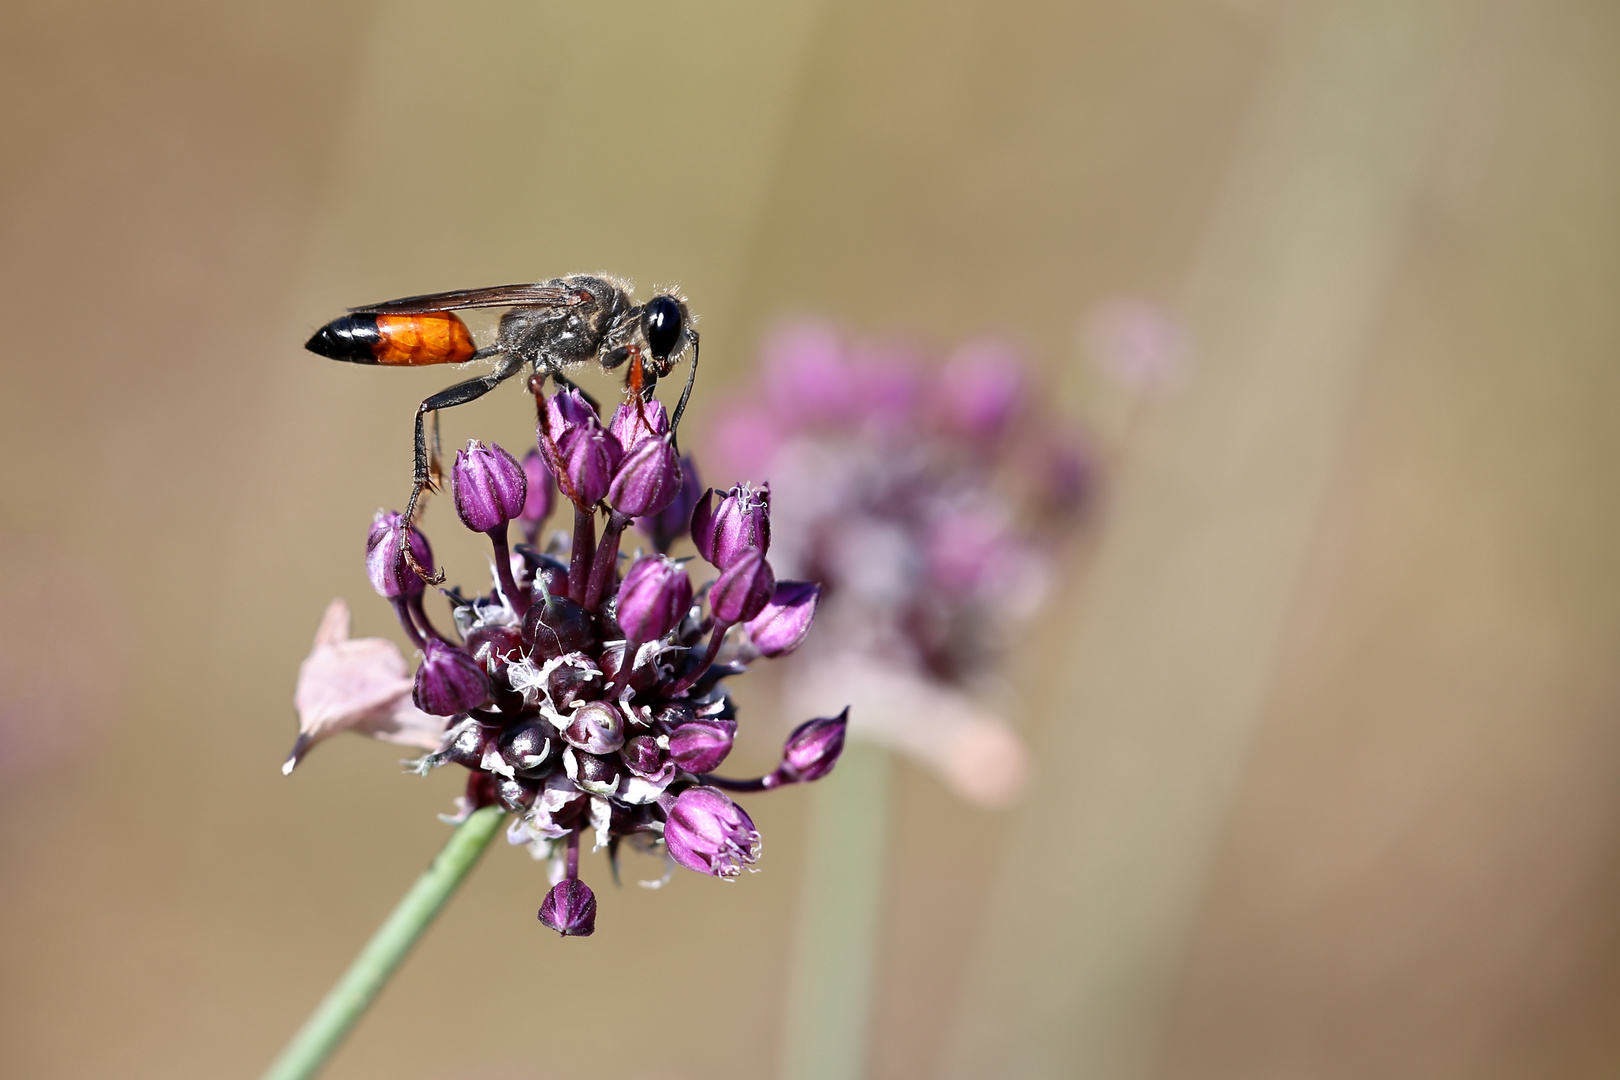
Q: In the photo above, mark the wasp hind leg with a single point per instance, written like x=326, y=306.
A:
x=426, y=467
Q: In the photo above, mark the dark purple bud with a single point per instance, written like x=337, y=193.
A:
x=634, y=421
x=570, y=908
x=648, y=479
x=672, y=716
x=641, y=679
x=494, y=644
x=465, y=744
x=490, y=487
x=654, y=596
x=709, y=833
x=742, y=590
x=526, y=746
x=596, y=728
x=812, y=750
x=516, y=794
x=449, y=681
x=675, y=520
x=785, y=622
x=724, y=527
x=575, y=678
x=642, y=756
x=541, y=491
x=701, y=745
x=550, y=574
x=390, y=574
x=593, y=773
x=556, y=626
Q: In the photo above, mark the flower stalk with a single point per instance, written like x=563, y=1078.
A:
x=348, y=1000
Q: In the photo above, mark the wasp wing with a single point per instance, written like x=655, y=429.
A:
x=543, y=294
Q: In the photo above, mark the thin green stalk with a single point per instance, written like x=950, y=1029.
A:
x=840, y=921
x=347, y=1001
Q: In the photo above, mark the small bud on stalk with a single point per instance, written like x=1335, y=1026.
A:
x=570, y=908
x=785, y=621
x=449, y=681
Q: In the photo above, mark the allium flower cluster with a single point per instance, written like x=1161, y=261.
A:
x=586, y=692
x=928, y=500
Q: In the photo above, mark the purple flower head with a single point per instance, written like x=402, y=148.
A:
x=982, y=390
x=490, y=486
x=390, y=574
x=648, y=479
x=541, y=493
x=699, y=746
x=654, y=596
x=449, y=681
x=664, y=527
x=579, y=451
x=709, y=833
x=785, y=621
x=813, y=749
x=737, y=522
x=743, y=589
x=570, y=908
x=634, y=421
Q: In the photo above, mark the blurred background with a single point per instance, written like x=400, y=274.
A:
x=1325, y=739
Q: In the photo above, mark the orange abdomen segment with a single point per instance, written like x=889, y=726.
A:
x=434, y=337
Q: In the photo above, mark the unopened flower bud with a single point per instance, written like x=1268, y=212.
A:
x=573, y=678
x=570, y=908
x=641, y=678
x=516, y=793
x=727, y=527
x=701, y=745
x=449, y=681
x=674, y=520
x=596, y=727
x=648, y=479
x=785, y=622
x=527, y=746
x=592, y=773
x=812, y=750
x=390, y=574
x=494, y=644
x=490, y=486
x=554, y=627
x=642, y=756
x=654, y=596
x=709, y=833
x=743, y=589
x=465, y=744
x=580, y=452
x=541, y=492
x=634, y=421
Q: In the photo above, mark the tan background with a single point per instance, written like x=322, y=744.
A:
x=1390, y=852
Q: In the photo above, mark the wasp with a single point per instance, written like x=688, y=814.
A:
x=549, y=327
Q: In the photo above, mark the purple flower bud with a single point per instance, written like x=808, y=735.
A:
x=649, y=479
x=556, y=626
x=654, y=596
x=812, y=750
x=596, y=728
x=570, y=908
x=743, y=590
x=527, y=746
x=632, y=422
x=709, y=833
x=785, y=622
x=542, y=492
x=701, y=745
x=390, y=574
x=576, y=678
x=982, y=389
x=449, y=681
x=738, y=522
x=516, y=793
x=642, y=678
x=593, y=773
x=580, y=453
x=642, y=756
x=490, y=486
x=494, y=645
x=674, y=521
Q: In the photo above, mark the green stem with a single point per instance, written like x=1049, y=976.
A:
x=347, y=1001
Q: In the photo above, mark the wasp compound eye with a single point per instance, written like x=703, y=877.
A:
x=663, y=325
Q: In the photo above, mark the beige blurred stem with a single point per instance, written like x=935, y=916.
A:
x=1173, y=652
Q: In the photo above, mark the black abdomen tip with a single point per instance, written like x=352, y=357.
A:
x=353, y=338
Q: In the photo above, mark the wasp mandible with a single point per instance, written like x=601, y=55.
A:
x=550, y=326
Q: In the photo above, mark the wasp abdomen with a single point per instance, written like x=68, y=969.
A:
x=433, y=337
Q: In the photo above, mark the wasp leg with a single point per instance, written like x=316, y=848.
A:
x=686, y=394
x=422, y=474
